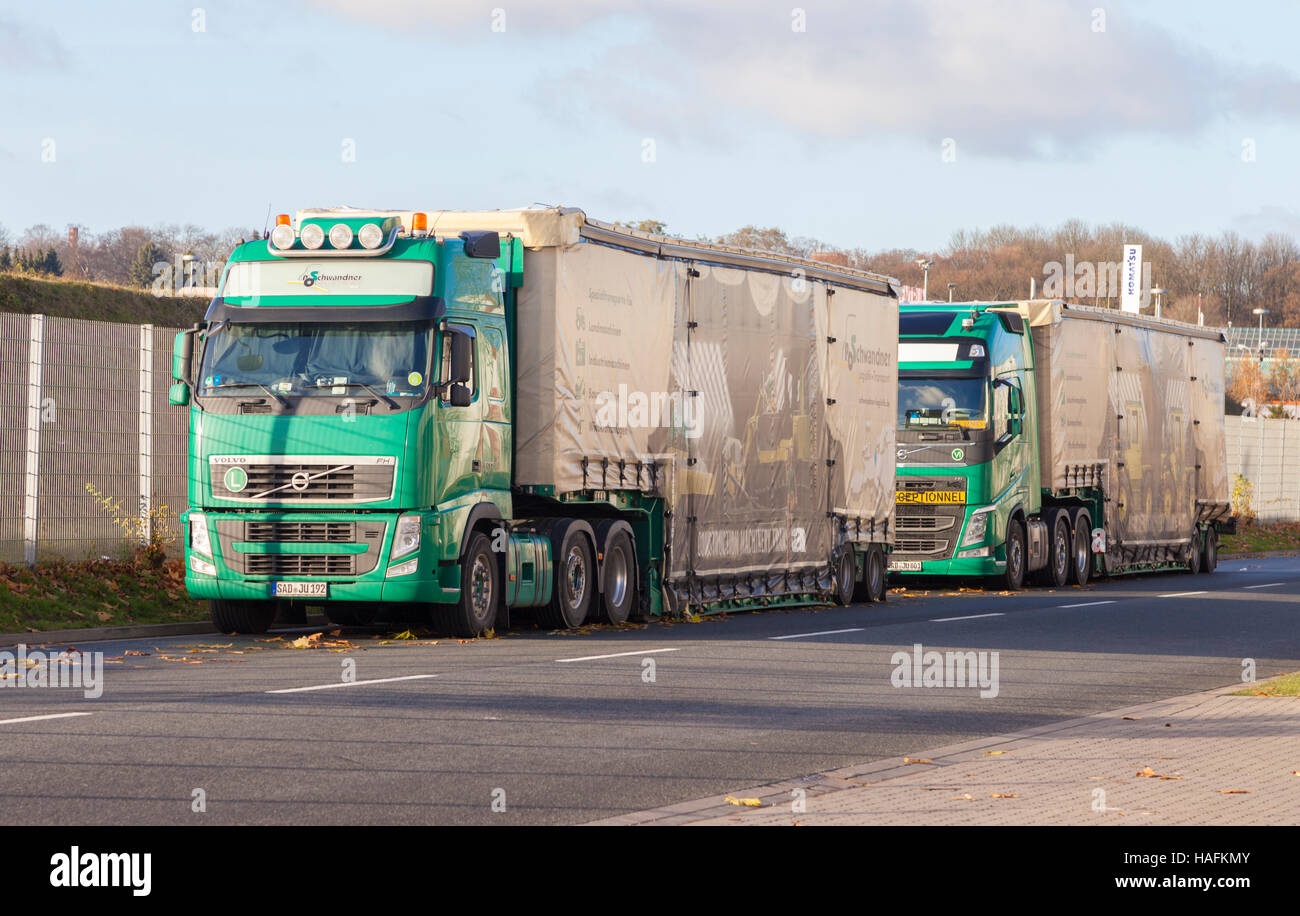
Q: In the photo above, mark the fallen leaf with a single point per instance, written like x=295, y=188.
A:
x=995, y=753
x=1146, y=771
x=917, y=760
x=746, y=802
x=1132, y=718
x=966, y=797
x=1235, y=792
x=1001, y=795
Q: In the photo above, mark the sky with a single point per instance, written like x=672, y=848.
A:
x=874, y=124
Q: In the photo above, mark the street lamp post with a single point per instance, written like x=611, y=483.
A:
x=1158, y=293
x=925, y=264
x=951, y=287
x=1261, y=313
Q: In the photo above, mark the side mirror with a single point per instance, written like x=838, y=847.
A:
x=481, y=244
x=178, y=395
x=1014, y=405
x=183, y=355
x=462, y=356
x=460, y=396
x=1013, y=427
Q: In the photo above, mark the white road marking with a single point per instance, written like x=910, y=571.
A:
x=819, y=633
x=57, y=715
x=1266, y=585
x=1182, y=594
x=971, y=617
x=1086, y=604
x=592, y=658
x=380, y=680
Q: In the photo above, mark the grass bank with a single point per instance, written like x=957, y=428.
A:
x=99, y=301
x=1253, y=538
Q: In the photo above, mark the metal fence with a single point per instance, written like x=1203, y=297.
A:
x=85, y=402
x=1267, y=453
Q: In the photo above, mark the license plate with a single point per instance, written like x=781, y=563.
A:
x=300, y=589
x=904, y=565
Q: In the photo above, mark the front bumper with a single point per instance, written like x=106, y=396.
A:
x=431, y=582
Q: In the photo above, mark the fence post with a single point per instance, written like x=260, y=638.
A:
x=146, y=432
x=35, y=352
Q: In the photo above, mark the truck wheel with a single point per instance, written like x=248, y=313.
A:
x=1193, y=557
x=1059, y=557
x=480, y=590
x=872, y=587
x=1081, y=549
x=241, y=616
x=1210, y=553
x=575, y=578
x=1014, y=577
x=618, y=578
x=846, y=571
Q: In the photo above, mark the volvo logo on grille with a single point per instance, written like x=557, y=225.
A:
x=299, y=481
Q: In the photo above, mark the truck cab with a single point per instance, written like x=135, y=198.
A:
x=967, y=458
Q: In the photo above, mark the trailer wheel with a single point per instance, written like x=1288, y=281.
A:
x=575, y=577
x=241, y=616
x=1081, y=549
x=1193, y=558
x=1210, y=554
x=1059, y=557
x=480, y=591
x=846, y=572
x=1014, y=577
x=872, y=587
x=618, y=578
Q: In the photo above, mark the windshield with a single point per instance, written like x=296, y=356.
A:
x=313, y=358
x=932, y=402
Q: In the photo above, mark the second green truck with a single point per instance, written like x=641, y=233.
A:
x=1055, y=442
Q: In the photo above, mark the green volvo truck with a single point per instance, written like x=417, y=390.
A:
x=461, y=414
x=1055, y=441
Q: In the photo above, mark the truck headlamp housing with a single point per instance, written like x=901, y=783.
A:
x=976, y=528
x=407, y=537
x=282, y=237
x=199, y=540
x=313, y=236
x=370, y=236
x=341, y=235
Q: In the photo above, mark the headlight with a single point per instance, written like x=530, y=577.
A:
x=370, y=236
x=312, y=236
x=407, y=538
x=199, y=541
x=977, y=527
x=282, y=237
x=202, y=566
x=341, y=235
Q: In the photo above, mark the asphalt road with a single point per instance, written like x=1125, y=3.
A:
x=567, y=728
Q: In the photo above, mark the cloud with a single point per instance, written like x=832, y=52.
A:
x=1019, y=79
x=25, y=46
x=1269, y=219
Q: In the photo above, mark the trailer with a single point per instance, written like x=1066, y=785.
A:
x=1057, y=440
x=468, y=413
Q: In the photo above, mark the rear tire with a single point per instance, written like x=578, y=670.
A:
x=480, y=591
x=873, y=586
x=1081, y=550
x=1210, y=552
x=247, y=617
x=618, y=583
x=846, y=573
x=575, y=578
x=1014, y=577
x=1059, y=556
x=1193, y=558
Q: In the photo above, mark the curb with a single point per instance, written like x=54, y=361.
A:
x=136, y=631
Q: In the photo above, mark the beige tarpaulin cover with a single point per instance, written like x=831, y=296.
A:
x=725, y=389
x=1137, y=404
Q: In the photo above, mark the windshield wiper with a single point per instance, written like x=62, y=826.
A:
x=283, y=401
x=389, y=401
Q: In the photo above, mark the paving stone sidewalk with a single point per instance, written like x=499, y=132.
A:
x=1207, y=758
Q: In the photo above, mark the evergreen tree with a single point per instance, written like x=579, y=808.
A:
x=141, y=271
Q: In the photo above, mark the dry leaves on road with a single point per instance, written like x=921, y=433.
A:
x=917, y=760
x=1235, y=792
x=1148, y=773
x=744, y=802
x=1002, y=795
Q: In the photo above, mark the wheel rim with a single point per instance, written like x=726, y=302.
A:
x=1015, y=558
x=481, y=587
x=1080, y=551
x=1062, y=553
x=575, y=576
x=616, y=578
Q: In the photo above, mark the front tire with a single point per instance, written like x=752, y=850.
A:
x=480, y=590
x=249, y=617
x=1014, y=577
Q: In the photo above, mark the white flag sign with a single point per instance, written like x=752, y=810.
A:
x=1131, y=282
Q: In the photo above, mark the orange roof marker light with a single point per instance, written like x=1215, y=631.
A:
x=282, y=219
x=419, y=224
